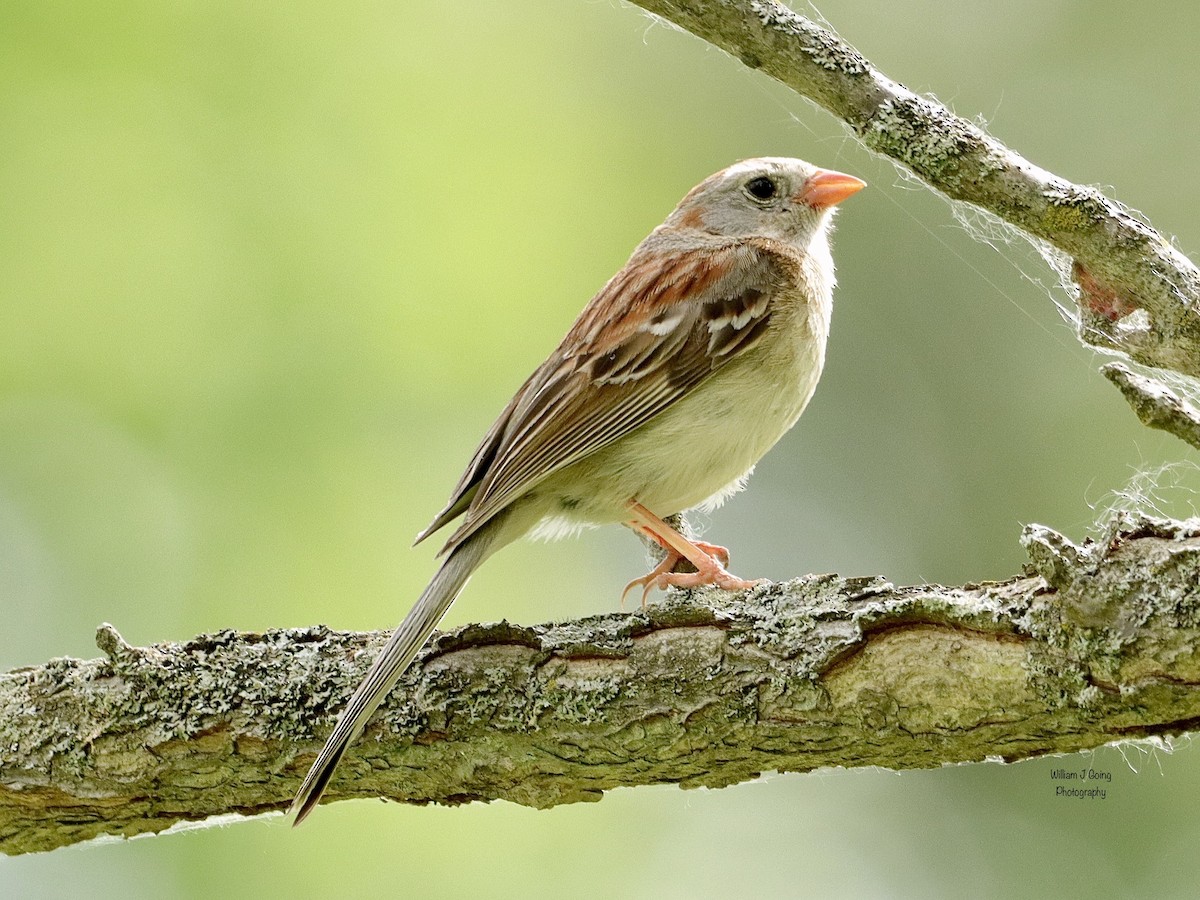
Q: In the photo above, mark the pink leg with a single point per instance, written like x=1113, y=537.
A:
x=709, y=559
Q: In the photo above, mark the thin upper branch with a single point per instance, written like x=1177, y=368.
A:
x=1095, y=643
x=1120, y=264
x=1156, y=404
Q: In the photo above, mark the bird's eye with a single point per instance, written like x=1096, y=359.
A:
x=761, y=188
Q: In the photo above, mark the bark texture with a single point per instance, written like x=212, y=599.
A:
x=1091, y=644
x=1156, y=404
x=1136, y=293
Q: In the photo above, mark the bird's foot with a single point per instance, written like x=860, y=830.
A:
x=709, y=560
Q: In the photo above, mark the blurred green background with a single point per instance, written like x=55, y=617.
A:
x=267, y=272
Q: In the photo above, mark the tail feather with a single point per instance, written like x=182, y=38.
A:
x=404, y=644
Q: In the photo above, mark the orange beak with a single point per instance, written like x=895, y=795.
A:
x=826, y=188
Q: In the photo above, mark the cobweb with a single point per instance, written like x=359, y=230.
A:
x=1013, y=243
x=1154, y=489
x=1158, y=490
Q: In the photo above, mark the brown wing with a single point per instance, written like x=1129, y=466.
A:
x=663, y=324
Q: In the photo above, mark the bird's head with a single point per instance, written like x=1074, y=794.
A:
x=776, y=197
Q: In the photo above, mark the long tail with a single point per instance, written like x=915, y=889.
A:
x=405, y=642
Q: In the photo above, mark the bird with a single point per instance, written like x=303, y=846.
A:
x=675, y=379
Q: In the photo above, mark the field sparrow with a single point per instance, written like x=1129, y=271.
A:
x=676, y=378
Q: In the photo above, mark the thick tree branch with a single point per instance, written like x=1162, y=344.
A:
x=1093, y=644
x=1119, y=264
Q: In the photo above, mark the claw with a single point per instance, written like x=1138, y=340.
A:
x=649, y=581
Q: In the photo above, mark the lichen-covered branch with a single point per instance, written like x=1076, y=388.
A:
x=1120, y=264
x=1092, y=644
x=1156, y=404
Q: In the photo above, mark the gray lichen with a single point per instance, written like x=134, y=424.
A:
x=820, y=45
x=928, y=139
